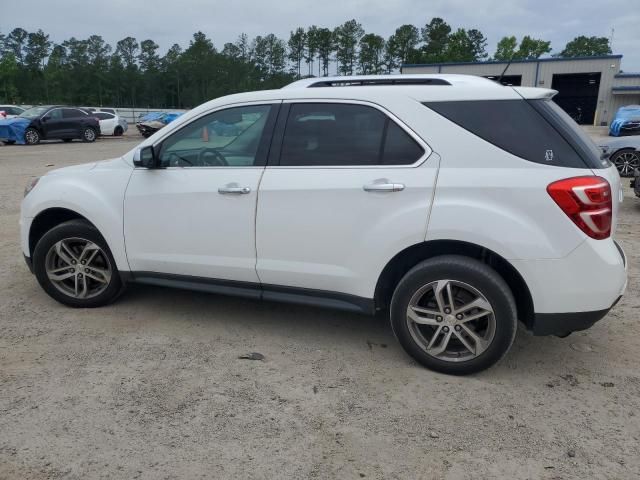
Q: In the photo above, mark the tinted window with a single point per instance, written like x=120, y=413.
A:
x=335, y=134
x=514, y=126
x=231, y=137
x=399, y=147
x=103, y=116
x=572, y=132
x=55, y=114
x=72, y=113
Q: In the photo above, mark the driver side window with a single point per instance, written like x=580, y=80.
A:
x=232, y=137
x=55, y=114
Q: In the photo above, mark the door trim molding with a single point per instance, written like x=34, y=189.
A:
x=276, y=293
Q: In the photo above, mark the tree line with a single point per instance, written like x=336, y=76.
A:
x=35, y=70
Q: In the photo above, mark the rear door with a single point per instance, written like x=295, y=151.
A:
x=347, y=187
x=107, y=122
x=73, y=122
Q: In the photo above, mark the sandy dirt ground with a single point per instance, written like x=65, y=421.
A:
x=151, y=387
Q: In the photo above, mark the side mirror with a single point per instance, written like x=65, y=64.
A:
x=45, y=118
x=145, y=157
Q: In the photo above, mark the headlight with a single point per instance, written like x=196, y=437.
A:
x=30, y=186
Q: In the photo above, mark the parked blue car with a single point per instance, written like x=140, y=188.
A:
x=626, y=121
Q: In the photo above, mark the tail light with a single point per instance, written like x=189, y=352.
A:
x=586, y=201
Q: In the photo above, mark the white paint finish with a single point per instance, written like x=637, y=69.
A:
x=317, y=227
x=507, y=210
x=94, y=190
x=176, y=222
x=590, y=278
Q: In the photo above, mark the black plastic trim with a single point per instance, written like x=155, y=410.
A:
x=378, y=82
x=29, y=262
x=278, y=293
x=565, y=323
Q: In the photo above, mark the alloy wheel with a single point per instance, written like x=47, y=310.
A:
x=627, y=162
x=451, y=320
x=89, y=134
x=78, y=268
x=31, y=137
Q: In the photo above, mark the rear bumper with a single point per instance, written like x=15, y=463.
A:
x=565, y=323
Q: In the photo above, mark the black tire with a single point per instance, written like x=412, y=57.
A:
x=75, y=229
x=9, y=142
x=626, y=161
x=118, y=132
x=89, y=135
x=67, y=140
x=31, y=136
x=473, y=273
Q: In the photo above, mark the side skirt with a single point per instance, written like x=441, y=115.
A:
x=276, y=293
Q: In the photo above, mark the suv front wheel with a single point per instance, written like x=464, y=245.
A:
x=454, y=314
x=74, y=265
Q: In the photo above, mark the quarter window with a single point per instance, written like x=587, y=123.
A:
x=227, y=138
x=337, y=134
x=514, y=126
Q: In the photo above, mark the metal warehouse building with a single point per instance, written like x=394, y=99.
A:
x=590, y=89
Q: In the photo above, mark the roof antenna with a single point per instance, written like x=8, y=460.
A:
x=505, y=69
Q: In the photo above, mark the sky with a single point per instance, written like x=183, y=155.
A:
x=174, y=21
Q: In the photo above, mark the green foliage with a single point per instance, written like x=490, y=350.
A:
x=586, y=47
x=371, y=55
x=33, y=70
x=529, y=49
x=347, y=36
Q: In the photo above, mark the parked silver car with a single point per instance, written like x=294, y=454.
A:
x=624, y=153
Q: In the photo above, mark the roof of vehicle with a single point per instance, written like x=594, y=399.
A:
x=382, y=89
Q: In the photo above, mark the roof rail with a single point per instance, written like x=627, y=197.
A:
x=380, y=81
x=391, y=80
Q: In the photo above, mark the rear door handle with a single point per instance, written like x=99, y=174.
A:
x=234, y=190
x=384, y=187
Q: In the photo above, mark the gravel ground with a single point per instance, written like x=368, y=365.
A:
x=151, y=387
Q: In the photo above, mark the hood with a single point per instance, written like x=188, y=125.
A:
x=73, y=169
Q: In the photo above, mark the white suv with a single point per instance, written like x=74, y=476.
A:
x=456, y=204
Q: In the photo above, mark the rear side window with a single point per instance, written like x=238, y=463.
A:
x=103, y=116
x=514, y=126
x=337, y=134
x=72, y=113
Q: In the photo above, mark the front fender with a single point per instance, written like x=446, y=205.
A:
x=94, y=191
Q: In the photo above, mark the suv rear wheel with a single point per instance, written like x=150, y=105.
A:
x=74, y=265
x=454, y=314
x=88, y=134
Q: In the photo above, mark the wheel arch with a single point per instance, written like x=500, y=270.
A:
x=402, y=262
x=48, y=219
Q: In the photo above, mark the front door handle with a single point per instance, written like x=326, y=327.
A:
x=384, y=187
x=234, y=190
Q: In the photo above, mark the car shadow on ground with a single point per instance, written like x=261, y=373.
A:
x=315, y=327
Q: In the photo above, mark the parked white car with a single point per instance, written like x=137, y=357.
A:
x=10, y=111
x=457, y=205
x=111, y=124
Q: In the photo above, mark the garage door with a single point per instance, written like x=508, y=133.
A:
x=578, y=94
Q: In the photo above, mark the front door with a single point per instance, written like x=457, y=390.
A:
x=53, y=125
x=195, y=216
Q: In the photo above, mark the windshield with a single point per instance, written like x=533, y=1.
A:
x=34, y=112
